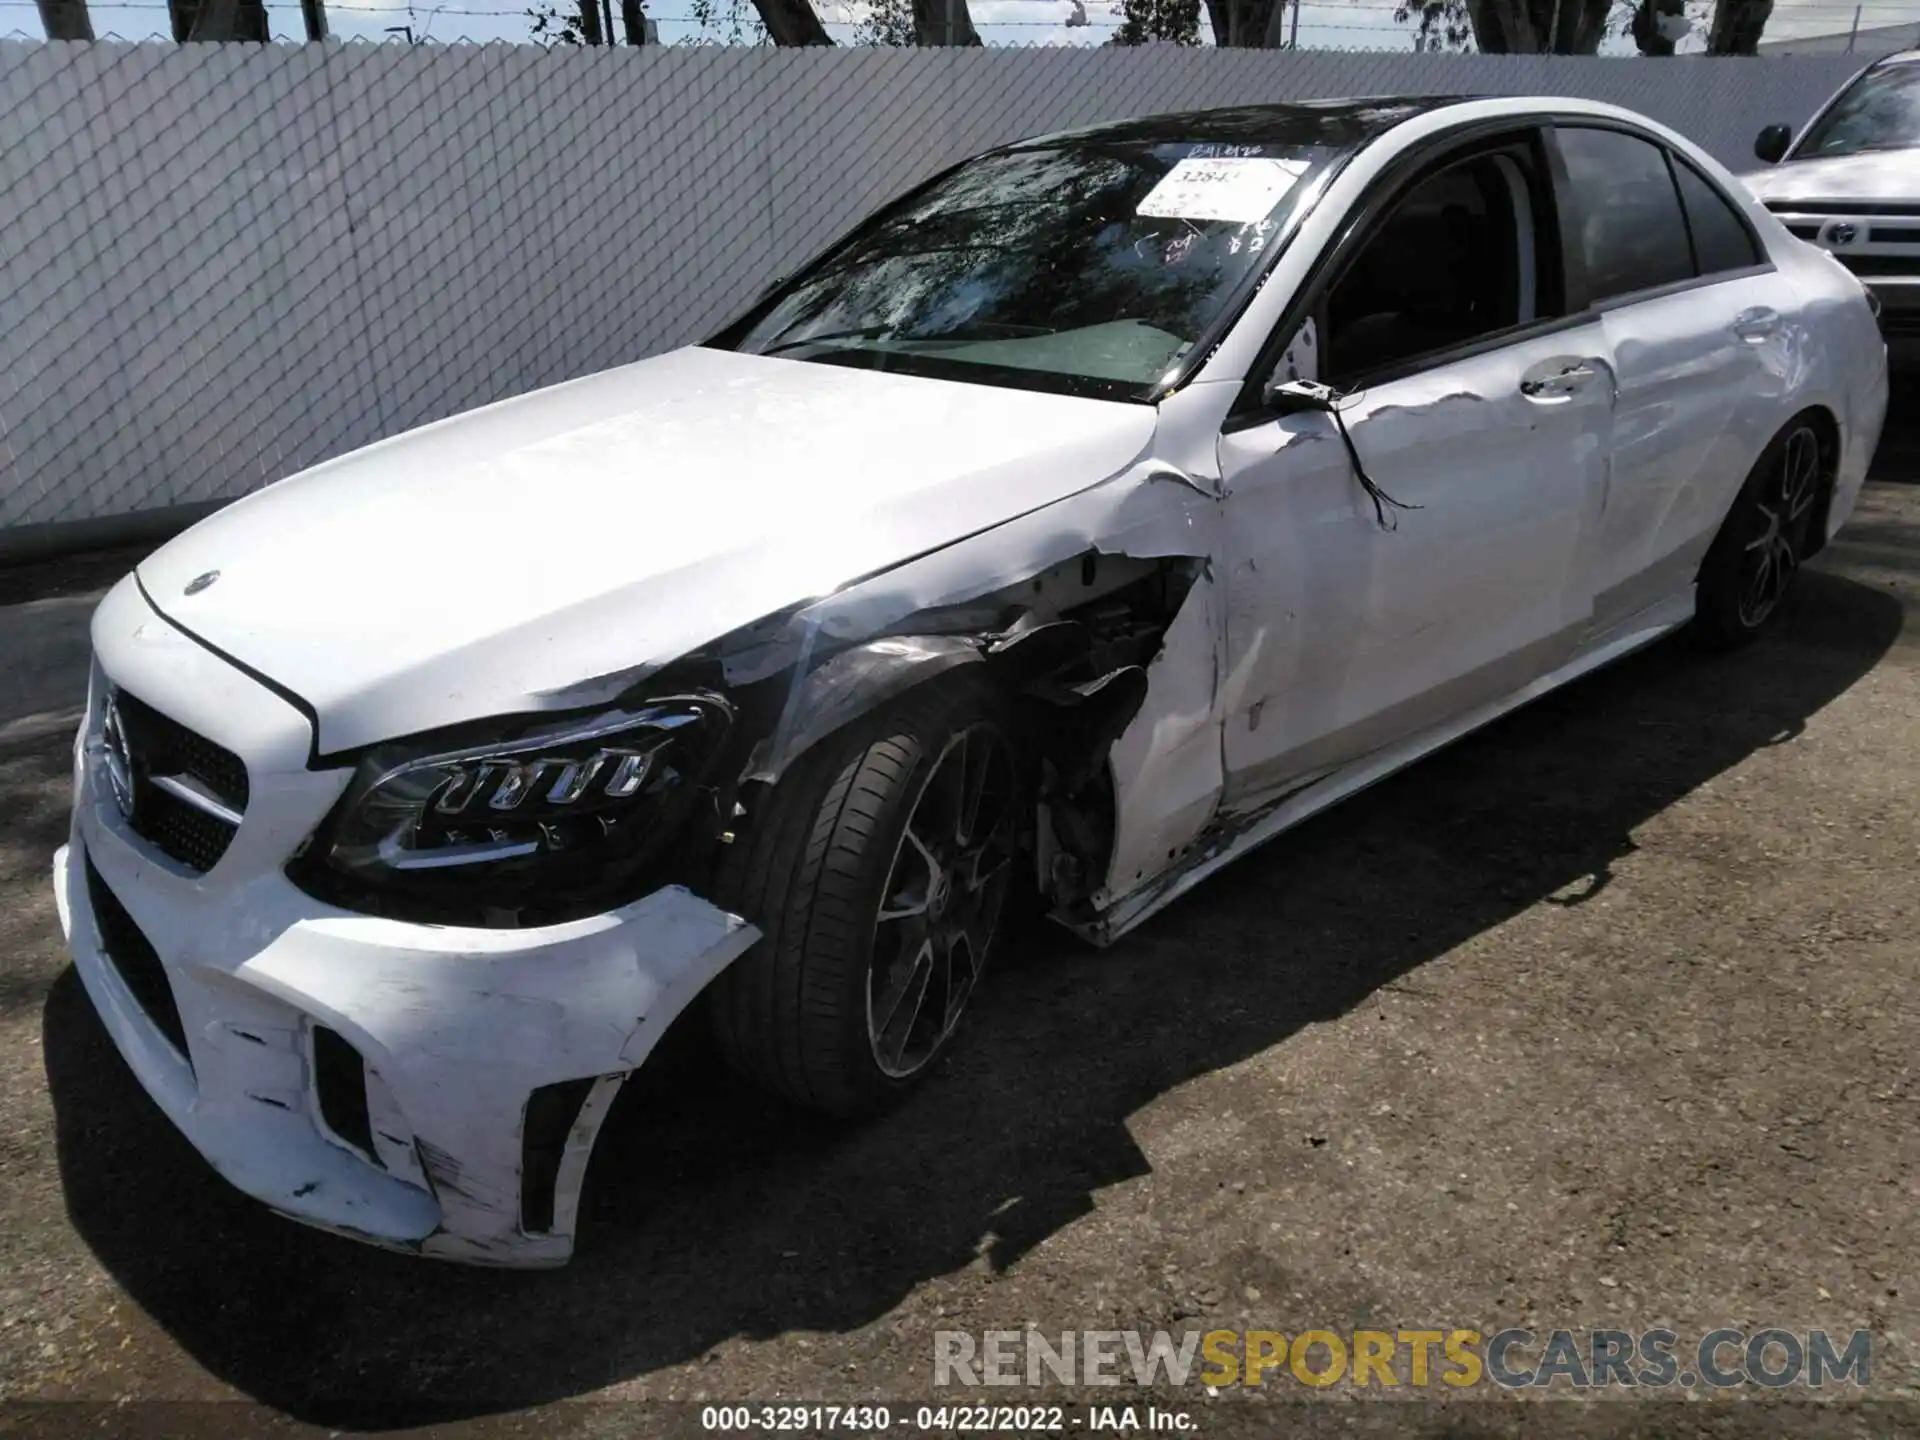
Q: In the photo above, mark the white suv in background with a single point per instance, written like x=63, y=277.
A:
x=1851, y=184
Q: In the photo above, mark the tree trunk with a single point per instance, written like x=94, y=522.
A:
x=633, y=20
x=792, y=22
x=219, y=21
x=1737, y=26
x=590, y=23
x=1646, y=25
x=313, y=15
x=1241, y=24
x=66, y=19
x=1538, y=27
x=931, y=20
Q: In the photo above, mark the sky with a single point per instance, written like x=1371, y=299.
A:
x=1323, y=24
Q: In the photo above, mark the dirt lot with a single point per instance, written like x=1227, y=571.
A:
x=1603, y=1018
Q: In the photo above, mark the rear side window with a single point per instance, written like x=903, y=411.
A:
x=1721, y=240
x=1632, y=232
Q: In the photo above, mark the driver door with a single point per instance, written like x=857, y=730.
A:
x=1481, y=414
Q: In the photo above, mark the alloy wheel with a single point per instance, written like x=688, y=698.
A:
x=942, y=900
x=1781, y=512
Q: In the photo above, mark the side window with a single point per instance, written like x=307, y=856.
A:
x=1633, y=235
x=1454, y=260
x=1721, y=240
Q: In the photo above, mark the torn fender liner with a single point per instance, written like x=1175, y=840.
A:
x=850, y=685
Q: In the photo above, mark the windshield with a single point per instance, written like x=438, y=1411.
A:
x=1092, y=265
x=1880, y=111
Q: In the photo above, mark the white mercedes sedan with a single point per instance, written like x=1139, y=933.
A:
x=1083, y=519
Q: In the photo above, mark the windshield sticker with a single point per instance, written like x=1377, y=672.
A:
x=1238, y=189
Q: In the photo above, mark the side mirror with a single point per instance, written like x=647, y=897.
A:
x=1771, y=143
x=1298, y=397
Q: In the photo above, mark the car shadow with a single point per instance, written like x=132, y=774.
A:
x=713, y=1214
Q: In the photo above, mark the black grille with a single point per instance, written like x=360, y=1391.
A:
x=135, y=961
x=1842, y=207
x=1804, y=232
x=1894, y=234
x=1881, y=264
x=340, y=1082
x=551, y=1111
x=161, y=745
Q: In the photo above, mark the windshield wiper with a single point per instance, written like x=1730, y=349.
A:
x=864, y=332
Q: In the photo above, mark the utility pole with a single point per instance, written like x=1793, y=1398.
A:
x=313, y=14
x=1854, y=33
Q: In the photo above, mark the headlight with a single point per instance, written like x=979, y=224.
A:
x=493, y=826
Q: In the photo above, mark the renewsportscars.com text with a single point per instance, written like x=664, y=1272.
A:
x=1456, y=1358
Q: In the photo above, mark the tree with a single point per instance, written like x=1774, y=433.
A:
x=1512, y=27
x=1245, y=24
x=218, y=20
x=66, y=19
x=1737, y=26
x=1443, y=24
x=918, y=22
x=792, y=22
x=1657, y=25
x=1149, y=20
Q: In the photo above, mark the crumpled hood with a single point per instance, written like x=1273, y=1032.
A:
x=494, y=561
x=1872, y=175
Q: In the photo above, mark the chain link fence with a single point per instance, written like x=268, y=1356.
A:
x=225, y=263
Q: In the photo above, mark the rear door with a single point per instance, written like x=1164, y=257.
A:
x=1700, y=329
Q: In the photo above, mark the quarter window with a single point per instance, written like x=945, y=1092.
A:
x=1721, y=240
x=1633, y=234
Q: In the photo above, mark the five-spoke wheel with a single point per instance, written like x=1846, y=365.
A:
x=877, y=870
x=1755, y=558
x=942, y=901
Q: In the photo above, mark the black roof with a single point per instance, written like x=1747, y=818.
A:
x=1336, y=124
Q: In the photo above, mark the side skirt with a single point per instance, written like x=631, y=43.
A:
x=1230, y=842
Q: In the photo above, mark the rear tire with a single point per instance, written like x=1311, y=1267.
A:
x=877, y=871
x=1751, y=567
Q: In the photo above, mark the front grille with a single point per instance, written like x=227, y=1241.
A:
x=1894, y=235
x=1875, y=265
x=1804, y=232
x=135, y=961
x=1841, y=207
x=160, y=746
x=1904, y=324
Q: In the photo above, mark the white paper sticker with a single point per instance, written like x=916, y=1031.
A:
x=1239, y=189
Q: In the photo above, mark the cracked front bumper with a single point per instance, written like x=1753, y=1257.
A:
x=458, y=1042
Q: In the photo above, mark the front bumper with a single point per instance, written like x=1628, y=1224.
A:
x=488, y=1058
x=1898, y=300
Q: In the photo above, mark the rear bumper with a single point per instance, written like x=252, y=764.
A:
x=426, y=1088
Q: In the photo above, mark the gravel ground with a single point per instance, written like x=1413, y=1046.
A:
x=1603, y=1017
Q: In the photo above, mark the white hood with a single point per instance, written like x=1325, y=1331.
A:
x=1872, y=175
x=478, y=565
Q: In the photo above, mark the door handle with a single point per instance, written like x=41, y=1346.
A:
x=1756, y=324
x=1557, y=379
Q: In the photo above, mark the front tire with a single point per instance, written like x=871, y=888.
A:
x=877, y=871
x=1754, y=560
